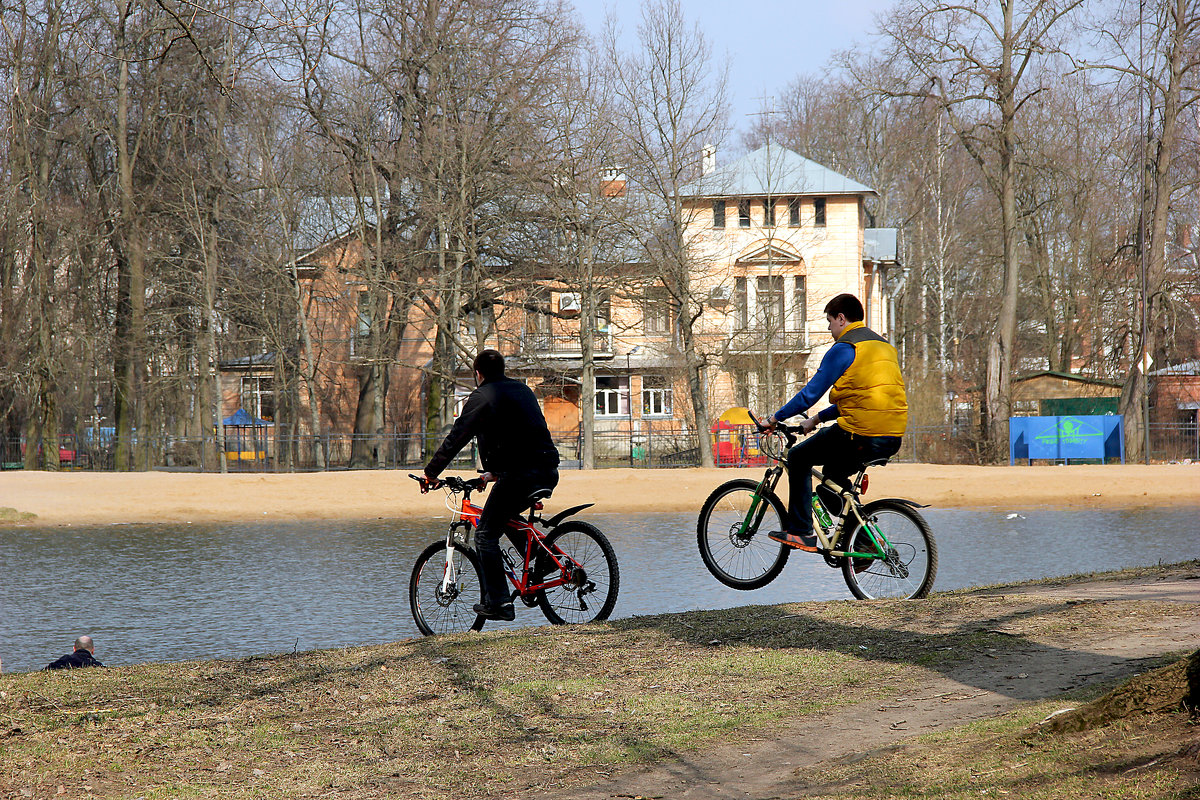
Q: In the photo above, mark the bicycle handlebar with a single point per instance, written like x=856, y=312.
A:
x=455, y=483
x=788, y=431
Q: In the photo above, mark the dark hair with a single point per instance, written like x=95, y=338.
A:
x=489, y=364
x=846, y=304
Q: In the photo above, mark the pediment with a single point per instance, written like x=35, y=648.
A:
x=772, y=252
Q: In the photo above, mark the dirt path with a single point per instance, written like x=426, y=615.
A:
x=984, y=686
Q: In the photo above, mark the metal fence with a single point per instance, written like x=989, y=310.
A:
x=649, y=448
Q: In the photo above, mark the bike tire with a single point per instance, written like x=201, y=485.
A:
x=734, y=558
x=593, y=595
x=910, y=575
x=437, y=613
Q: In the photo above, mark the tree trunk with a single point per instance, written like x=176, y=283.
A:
x=1152, y=248
x=587, y=391
x=129, y=333
x=1000, y=349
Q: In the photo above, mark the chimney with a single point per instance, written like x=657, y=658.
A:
x=709, y=161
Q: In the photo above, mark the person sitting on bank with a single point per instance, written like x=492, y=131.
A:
x=82, y=657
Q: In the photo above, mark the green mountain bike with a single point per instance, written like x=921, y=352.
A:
x=884, y=548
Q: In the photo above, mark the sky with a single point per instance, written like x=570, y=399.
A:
x=769, y=42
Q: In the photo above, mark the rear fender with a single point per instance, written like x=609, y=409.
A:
x=560, y=516
x=909, y=503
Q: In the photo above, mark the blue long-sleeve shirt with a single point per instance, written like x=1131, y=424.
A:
x=833, y=366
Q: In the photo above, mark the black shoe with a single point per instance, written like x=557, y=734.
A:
x=502, y=613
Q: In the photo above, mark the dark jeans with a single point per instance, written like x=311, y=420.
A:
x=841, y=454
x=507, y=497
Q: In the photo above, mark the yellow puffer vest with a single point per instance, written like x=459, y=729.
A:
x=870, y=394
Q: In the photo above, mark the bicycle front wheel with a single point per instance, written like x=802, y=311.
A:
x=733, y=541
x=907, y=571
x=443, y=588
x=590, y=592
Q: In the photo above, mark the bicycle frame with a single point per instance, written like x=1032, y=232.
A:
x=468, y=518
x=850, y=505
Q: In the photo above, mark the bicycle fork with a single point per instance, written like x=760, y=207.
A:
x=758, y=508
x=449, y=575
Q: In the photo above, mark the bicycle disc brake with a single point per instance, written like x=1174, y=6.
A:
x=447, y=595
x=737, y=538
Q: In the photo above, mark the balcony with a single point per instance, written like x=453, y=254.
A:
x=764, y=340
x=565, y=345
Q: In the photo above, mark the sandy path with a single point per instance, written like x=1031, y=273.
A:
x=76, y=498
x=983, y=687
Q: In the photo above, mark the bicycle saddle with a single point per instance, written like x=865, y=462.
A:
x=538, y=494
x=879, y=462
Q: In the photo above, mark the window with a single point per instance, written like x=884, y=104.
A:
x=769, y=212
x=819, y=212
x=794, y=212
x=362, y=326
x=657, y=312
x=800, y=297
x=612, y=397
x=743, y=213
x=718, y=213
x=741, y=387
x=770, y=302
x=537, y=318
x=741, y=303
x=656, y=396
x=603, y=313
x=258, y=397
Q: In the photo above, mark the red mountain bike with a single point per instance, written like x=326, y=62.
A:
x=568, y=568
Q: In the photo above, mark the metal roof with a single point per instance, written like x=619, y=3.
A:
x=324, y=219
x=772, y=170
x=1186, y=368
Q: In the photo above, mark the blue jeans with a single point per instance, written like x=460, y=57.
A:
x=842, y=454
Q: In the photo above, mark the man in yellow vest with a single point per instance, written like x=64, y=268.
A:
x=861, y=372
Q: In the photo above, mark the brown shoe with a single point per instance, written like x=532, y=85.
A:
x=799, y=541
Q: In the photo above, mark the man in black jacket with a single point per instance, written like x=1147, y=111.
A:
x=82, y=657
x=517, y=453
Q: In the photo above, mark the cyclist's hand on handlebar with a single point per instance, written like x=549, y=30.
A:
x=428, y=483
x=809, y=424
x=485, y=478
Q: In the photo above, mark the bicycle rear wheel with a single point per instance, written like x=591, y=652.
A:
x=591, y=592
x=737, y=554
x=912, y=560
x=436, y=606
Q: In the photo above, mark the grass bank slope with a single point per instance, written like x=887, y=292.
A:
x=513, y=714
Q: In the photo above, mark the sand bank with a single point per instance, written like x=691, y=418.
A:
x=75, y=498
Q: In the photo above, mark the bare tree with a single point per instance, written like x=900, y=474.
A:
x=1166, y=66
x=976, y=63
x=673, y=105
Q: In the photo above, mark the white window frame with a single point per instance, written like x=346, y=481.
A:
x=612, y=401
x=656, y=400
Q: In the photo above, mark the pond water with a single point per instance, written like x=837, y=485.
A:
x=173, y=593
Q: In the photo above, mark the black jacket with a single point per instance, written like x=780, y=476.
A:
x=504, y=416
x=80, y=658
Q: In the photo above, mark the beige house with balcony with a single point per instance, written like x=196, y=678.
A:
x=772, y=237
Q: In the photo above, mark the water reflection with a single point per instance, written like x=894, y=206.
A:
x=162, y=593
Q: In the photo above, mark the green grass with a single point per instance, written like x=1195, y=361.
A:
x=502, y=714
